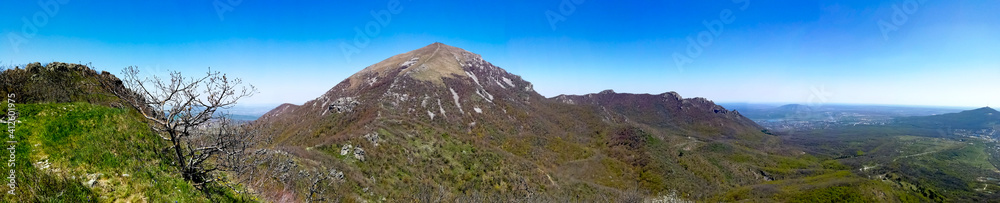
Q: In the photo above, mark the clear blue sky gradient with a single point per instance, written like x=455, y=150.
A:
x=943, y=53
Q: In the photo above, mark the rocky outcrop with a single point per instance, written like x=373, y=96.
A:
x=345, y=104
x=373, y=138
x=671, y=96
x=61, y=82
x=359, y=153
x=345, y=150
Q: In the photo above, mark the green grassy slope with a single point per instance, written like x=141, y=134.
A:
x=79, y=152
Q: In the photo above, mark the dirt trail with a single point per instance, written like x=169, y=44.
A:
x=926, y=153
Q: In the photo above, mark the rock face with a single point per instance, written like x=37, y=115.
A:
x=342, y=105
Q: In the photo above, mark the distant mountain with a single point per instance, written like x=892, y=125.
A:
x=830, y=112
x=240, y=117
x=788, y=111
x=981, y=118
x=794, y=107
x=438, y=85
x=441, y=122
x=246, y=112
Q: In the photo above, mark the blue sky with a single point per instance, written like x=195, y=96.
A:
x=930, y=52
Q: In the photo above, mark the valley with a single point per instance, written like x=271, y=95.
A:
x=922, y=154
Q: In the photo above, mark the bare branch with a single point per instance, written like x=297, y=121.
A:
x=185, y=112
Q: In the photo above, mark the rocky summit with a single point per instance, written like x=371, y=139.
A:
x=435, y=84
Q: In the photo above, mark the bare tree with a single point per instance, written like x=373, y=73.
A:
x=241, y=151
x=186, y=113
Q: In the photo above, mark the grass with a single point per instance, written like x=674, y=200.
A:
x=831, y=194
x=63, y=146
x=831, y=186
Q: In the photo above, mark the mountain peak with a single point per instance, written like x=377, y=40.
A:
x=430, y=63
x=437, y=46
x=985, y=110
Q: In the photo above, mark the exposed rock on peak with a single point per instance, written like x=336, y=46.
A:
x=672, y=96
x=57, y=66
x=430, y=63
x=564, y=99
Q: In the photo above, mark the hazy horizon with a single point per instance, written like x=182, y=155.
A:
x=929, y=53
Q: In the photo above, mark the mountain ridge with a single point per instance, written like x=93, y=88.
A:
x=455, y=95
x=415, y=107
x=980, y=118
